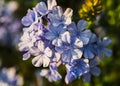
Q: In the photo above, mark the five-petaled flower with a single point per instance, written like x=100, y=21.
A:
x=42, y=55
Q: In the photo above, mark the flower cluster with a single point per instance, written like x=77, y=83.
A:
x=8, y=77
x=53, y=39
x=9, y=25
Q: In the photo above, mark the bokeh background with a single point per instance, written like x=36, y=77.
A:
x=105, y=20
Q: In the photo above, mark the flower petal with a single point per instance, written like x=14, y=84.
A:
x=78, y=43
x=26, y=56
x=48, y=52
x=81, y=25
x=68, y=12
x=41, y=46
x=93, y=63
x=106, y=41
x=79, y=53
x=93, y=38
x=69, y=78
x=57, y=42
x=107, y=52
x=87, y=77
x=46, y=61
x=29, y=18
x=88, y=54
x=26, y=21
x=95, y=71
x=66, y=37
x=51, y=4
x=41, y=8
x=66, y=56
x=57, y=57
x=72, y=28
x=37, y=61
x=50, y=36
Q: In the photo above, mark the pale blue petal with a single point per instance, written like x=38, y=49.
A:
x=85, y=36
x=26, y=56
x=86, y=33
x=66, y=56
x=26, y=21
x=69, y=78
x=54, y=20
x=81, y=25
x=72, y=28
x=88, y=54
x=50, y=36
x=95, y=71
x=107, y=52
x=66, y=37
x=84, y=40
x=93, y=38
x=99, y=54
x=106, y=41
x=57, y=42
x=29, y=18
x=59, y=49
x=93, y=63
x=41, y=8
x=51, y=4
x=87, y=77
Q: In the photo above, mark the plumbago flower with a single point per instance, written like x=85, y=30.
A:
x=42, y=55
x=79, y=31
x=9, y=25
x=58, y=17
x=55, y=34
x=53, y=39
x=69, y=49
x=101, y=47
x=94, y=70
x=8, y=77
x=90, y=49
x=76, y=68
x=51, y=74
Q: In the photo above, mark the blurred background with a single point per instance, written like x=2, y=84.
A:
x=103, y=18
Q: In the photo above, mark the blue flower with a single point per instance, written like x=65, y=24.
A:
x=57, y=16
x=3, y=76
x=54, y=34
x=43, y=10
x=80, y=32
x=51, y=74
x=101, y=47
x=29, y=18
x=42, y=55
x=89, y=49
x=68, y=50
x=9, y=78
x=94, y=70
x=76, y=69
x=9, y=26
